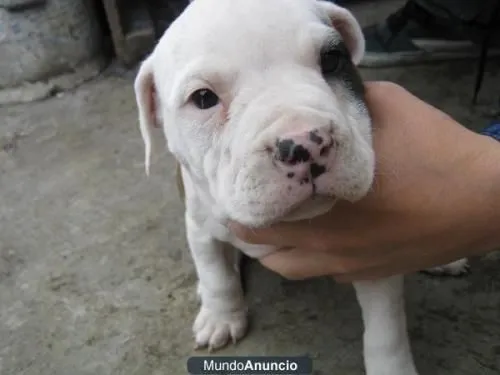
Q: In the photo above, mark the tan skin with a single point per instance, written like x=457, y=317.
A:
x=435, y=199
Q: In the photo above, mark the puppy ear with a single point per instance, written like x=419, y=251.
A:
x=145, y=95
x=344, y=22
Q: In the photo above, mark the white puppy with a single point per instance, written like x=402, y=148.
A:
x=262, y=106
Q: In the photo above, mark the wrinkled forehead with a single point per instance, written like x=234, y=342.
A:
x=249, y=31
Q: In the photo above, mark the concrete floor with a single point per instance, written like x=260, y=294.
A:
x=95, y=276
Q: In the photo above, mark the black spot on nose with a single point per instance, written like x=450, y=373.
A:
x=290, y=152
x=317, y=170
x=325, y=150
x=314, y=137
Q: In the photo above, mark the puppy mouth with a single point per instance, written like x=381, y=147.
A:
x=312, y=199
x=314, y=204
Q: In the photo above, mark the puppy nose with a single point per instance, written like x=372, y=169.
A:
x=302, y=155
x=303, y=147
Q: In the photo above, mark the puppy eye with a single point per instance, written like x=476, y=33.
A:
x=330, y=61
x=204, y=98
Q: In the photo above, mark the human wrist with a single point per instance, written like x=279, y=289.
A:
x=492, y=168
x=484, y=179
x=461, y=215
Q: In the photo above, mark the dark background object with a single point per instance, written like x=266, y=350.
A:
x=136, y=25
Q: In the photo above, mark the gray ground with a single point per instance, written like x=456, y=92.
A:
x=95, y=276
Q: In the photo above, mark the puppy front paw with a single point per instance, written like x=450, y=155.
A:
x=215, y=329
x=460, y=267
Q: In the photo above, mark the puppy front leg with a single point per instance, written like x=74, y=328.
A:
x=386, y=344
x=223, y=313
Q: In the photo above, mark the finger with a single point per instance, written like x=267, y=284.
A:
x=391, y=265
x=299, y=264
x=287, y=234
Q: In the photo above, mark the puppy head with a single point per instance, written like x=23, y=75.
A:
x=262, y=104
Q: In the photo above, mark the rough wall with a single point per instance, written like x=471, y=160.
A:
x=46, y=45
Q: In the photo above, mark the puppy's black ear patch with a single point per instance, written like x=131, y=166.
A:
x=334, y=56
x=336, y=63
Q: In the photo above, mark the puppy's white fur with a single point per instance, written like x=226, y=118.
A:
x=261, y=59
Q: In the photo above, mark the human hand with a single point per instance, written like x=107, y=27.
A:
x=433, y=201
